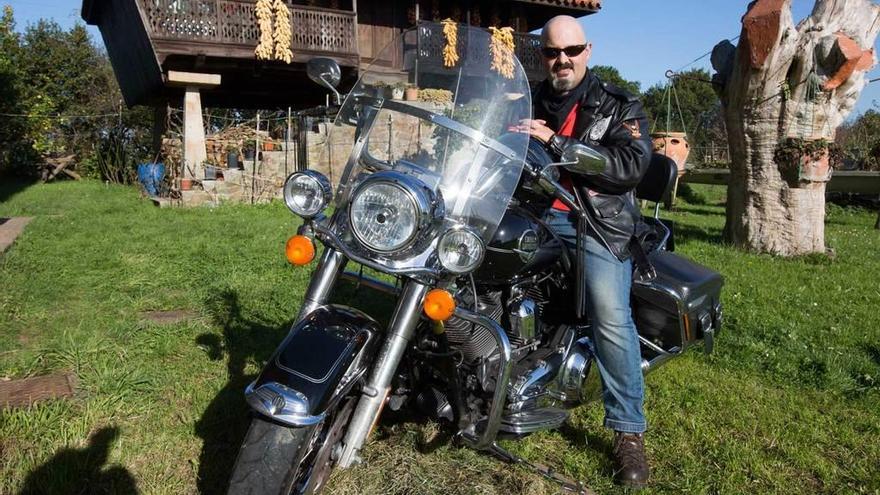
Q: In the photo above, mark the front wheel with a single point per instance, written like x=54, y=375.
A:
x=278, y=459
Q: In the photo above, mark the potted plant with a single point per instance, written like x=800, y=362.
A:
x=232, y=157
x=806, y=160
x=250, y=147
x=674, y=145
x=186, y=184
x=397, y=90
x=411, y=93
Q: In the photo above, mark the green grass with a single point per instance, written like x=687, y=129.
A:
x=789, y=402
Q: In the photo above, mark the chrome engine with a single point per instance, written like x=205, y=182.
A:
x=546, y=381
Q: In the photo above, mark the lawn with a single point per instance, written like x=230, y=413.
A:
x=789, y=402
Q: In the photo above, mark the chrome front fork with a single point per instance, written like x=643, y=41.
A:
x=400, y=330
x=329, y=268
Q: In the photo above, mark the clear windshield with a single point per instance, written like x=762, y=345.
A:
x=445, y=123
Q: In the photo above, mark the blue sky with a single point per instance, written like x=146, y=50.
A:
x=641, y=38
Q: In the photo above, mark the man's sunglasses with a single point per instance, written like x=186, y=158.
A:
x=570, y=51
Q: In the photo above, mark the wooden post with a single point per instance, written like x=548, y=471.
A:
x=256, y=155
x=194, y=152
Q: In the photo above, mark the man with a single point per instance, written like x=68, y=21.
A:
x=574, y=106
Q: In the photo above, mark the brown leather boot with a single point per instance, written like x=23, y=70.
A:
x=630, y=461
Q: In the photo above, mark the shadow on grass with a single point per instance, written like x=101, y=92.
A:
x=10, y=186
x=225, y=421
x=685, y=232
x=81, y=470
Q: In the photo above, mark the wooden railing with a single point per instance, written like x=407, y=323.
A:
x=234, y=22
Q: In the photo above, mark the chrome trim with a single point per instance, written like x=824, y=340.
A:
x=523, y=312
x=649, y=366
x=323, y=184
x=533, y=384
x=282, y=404
x=532, y=420
x=485, y=439
x=400, y=330
x=371, y=283
x=330, y=238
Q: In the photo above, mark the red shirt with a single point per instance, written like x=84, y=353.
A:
x=566, y=130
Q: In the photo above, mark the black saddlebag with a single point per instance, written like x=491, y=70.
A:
x=681, y=305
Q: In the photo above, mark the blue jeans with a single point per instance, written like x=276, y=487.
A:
x=615, y=340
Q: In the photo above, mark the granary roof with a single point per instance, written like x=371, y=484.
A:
x=587, y=5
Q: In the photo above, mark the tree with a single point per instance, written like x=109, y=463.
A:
x=12, y=127
x=784, y=90
x=860, y=140
x=48, y=72
x=611, y=75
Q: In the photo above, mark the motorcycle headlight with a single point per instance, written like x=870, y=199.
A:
x=385, y=215
x=307, y=193
x=460, y=250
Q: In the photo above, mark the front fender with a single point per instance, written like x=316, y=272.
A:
x=318, y=358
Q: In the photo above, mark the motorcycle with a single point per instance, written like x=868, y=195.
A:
x=485, y=334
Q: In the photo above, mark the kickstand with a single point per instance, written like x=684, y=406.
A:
x=567, y=484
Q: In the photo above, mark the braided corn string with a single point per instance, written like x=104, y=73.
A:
x=450, y=50
x=282, y=34
x=263, y=11
x=501, y=47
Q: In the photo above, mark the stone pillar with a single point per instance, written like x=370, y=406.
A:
x=194, y=153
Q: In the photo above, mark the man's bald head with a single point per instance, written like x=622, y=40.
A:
x=565, y=72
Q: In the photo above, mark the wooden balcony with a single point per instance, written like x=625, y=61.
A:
x=147, y=38
x=228, y=28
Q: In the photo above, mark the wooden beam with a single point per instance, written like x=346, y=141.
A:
x=189, y=79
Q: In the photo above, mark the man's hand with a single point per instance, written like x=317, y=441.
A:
x=536, y=128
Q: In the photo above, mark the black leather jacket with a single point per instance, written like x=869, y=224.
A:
x=614, y=123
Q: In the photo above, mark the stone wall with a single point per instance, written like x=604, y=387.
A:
x=329, y=147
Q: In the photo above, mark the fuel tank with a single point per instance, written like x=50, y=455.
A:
x=522, y=247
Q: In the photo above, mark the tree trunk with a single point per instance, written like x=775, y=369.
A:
x=785, y=81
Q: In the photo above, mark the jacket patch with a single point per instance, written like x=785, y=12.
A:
x=634, y=128
x=598, y=129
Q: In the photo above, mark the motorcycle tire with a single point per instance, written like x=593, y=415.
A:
x=276, y=459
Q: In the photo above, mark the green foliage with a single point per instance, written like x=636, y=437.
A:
x=45, y=72
x=860, y=140
x=611, y=75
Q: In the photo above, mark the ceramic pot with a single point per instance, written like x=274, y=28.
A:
x=186, y=184
x=411, y=94
x=674, y=145
x=397, y=93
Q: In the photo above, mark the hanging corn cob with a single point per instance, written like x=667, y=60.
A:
x=501, y=47
x=450, y=51
x=263, y=11
x=282, y=34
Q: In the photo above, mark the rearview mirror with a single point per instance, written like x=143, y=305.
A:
x=325, y=72
x=582, y=159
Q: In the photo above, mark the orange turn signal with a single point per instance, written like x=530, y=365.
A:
x=300, y=250
x=439, y=305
